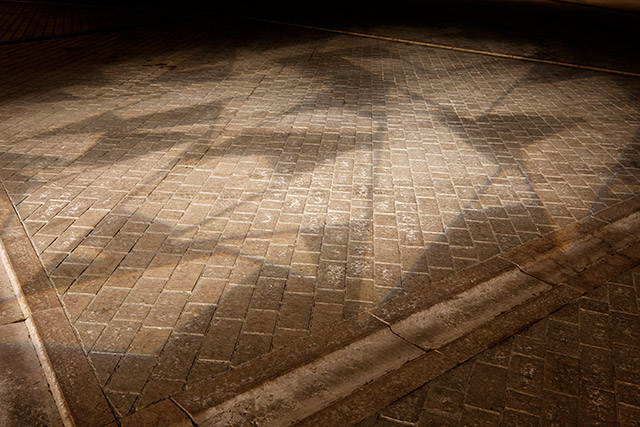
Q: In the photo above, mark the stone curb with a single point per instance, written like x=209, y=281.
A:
x=69, y=368
x=435, y=329
x=515, y=290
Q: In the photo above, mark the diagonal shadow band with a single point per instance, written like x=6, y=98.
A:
x=447, y=116
x=255, y=390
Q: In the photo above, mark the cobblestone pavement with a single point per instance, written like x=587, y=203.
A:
x=579, y=366
x=203, y=193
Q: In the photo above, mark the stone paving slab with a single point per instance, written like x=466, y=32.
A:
x=10, y=310
x=72, y=371
x=287, y=398
x=542, y=29
x=212, y=192
x=578, y=366
x=25, y=399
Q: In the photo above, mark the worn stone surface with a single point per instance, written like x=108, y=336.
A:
x=442, y=323
x=381, y=391
x=400, y=306
x=10, y=310
x=298, y=394
x=25, y=399
x=578, y=366
x=178, y=208
x=204, y=193
x=210, y=391
x=509, y=323
x=75, y=376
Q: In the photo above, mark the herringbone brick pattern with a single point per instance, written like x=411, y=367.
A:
x=202, y=194
x=579, y=366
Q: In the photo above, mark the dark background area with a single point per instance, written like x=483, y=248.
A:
x=588, y=26
x=588, y=35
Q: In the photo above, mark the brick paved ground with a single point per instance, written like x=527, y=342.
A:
x=203, y=193
x=25, y=399
x=20, y=21
x=535, y=28
x=579, y=366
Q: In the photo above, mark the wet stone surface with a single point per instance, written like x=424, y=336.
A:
x=204, y=193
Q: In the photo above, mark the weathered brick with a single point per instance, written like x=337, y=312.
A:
x=104, y=306
x=295, y=311
x=131, y=374
x=117, y=336
x=487, y=387
x=166, y=309
x=149, y=341
x=220, y=340
x=318, y=208
x=178, y=356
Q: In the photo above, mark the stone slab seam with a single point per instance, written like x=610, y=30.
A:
x=448, y=47
x=45, y=363
x=528, y=311
x=616, y=261
x=400, y=336
x=186, y=413
x=382, y=391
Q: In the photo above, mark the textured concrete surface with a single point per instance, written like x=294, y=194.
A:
x=206, y=192
x=25, y=399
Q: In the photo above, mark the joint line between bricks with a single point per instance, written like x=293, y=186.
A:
x=35, y=337
x=186, y=413
x=526, y=273
x=536, y=277
x=425, y=350
x=34, y=333
x=13, y=322
x=446, y=47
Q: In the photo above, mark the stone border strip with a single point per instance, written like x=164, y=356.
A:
x=447, y=47
x=341, y=375
x=66, y=366
x=36, y=340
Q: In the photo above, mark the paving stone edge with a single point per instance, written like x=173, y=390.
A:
x=74, y=385
x=565, y=285
x=88, y=405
